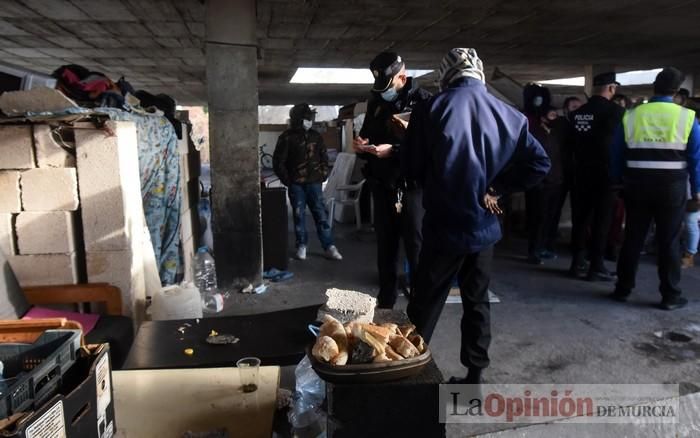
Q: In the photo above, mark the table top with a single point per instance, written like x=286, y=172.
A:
x=276, y=338
x=168, y=403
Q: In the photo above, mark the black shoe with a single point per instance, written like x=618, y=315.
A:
x=620, y=295
x=534, y=260
x=673, y=303
x=601, y=274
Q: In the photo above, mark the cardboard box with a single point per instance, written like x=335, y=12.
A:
x=84, y=408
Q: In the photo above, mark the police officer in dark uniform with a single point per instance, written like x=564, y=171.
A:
x=398, y=209
x=594, y=125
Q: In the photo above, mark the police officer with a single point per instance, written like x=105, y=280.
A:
x=593, y=127
x=657, y=153
x=398, y=210
x=301, y=163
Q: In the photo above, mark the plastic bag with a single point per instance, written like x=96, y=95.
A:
x=306, y=416
x=177, y=302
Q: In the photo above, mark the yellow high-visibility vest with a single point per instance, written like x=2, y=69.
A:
x=657, y=135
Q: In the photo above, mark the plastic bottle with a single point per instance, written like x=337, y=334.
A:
x=205, y=280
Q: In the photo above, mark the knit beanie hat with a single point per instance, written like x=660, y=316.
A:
x=460, y=63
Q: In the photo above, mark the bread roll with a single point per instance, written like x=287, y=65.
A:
x=381, y=358
x=333, y=328
x=382, y=334
x=407, y=329
x=391, y=354
x=404, y=347
x=418, y=342
x=325, y=349
x=391, y=326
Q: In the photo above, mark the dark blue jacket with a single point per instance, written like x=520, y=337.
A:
x=460, y=143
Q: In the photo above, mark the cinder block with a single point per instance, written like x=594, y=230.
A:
x=10, y=195
x=48, y=152
x=49, y=190
x=45, y=269
x=16, y=151
x=7, y=239
x=123, y=269
x=50, y=232
x=110, y=185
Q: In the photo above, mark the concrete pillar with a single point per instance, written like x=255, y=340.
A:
x=232, y=83
x=590, y=71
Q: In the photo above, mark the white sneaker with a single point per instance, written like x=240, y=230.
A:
x=301, y=252
x=333, y=254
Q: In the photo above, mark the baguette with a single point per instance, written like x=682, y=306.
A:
x=325, y=349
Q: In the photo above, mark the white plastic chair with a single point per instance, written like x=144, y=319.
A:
x=350, y=195
x=340, y=176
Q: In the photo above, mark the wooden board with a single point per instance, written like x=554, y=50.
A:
x=168, y=403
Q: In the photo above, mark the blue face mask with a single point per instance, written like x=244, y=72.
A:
x=390, y=95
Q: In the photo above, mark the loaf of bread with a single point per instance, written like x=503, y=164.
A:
x=325, y=349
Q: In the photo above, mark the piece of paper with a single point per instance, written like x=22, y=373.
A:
x=86, y=320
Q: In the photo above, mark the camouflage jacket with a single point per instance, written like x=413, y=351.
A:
x=300, y=157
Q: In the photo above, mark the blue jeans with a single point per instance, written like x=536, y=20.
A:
x=301, y=195
x=692, y=232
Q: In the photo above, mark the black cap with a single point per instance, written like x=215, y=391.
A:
x=384, y=67
x=668, y=81
x=302, y=111
x=607, y=78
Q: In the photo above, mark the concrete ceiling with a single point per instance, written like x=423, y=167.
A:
x=159, y=45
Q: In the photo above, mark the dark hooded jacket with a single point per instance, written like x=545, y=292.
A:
x=463, y=142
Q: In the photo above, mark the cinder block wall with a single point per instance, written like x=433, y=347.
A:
x=39, y=205
x=71, y=211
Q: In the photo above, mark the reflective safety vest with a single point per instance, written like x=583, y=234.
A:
x=657, y=135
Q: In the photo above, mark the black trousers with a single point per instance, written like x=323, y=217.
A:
x=436, y=271
x=664, y=202
x=543, y=205
x=390, y=227
x=593, y=208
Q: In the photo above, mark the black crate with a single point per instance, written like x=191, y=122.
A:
x=33, y=372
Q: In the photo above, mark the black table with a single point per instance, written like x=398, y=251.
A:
x=276, y=338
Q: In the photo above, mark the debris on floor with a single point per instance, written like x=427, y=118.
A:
x=275, y=275
x=189, y=352
x=223, y=339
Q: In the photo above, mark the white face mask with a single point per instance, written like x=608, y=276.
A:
x=307, y=124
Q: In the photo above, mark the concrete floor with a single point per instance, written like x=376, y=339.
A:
x=547, y=328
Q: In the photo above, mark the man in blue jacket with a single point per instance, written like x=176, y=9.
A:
x=656, y=154
x=468, y=148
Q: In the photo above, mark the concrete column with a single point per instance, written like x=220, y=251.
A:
x=232, y=83
x=590, y=71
